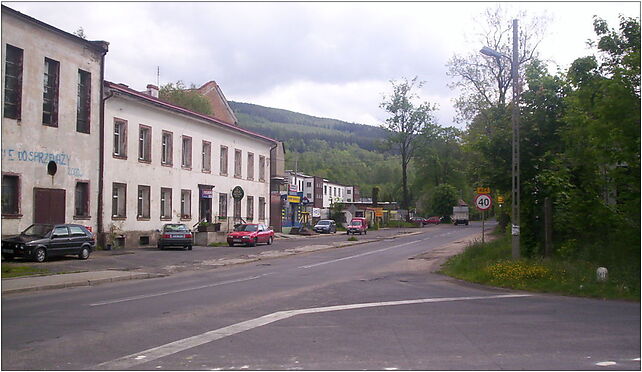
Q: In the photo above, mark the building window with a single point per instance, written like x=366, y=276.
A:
x=349, y=191
x=10, y=195
x=83, y=105
x=237, y=209
x=119, y=200
x=325, y=190
x=237, y=163
x=186, y=154
x=166, y=149
x=144, y=193
x=120, y=139
x=309, y=184
x=261, y=168
x=222, y=205
x=250, y=166
x=223, y=161
x=261, y=208
x=13, y=82
x=186, y=204
x=207, y=157
x=144, y=143
x=166, y=203
x=50, y=93
x=82, y=200
x=309, y=196
x=250, y=208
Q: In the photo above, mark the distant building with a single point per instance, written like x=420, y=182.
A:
x=51, y=124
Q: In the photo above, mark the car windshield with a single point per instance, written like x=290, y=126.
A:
x=323, y=223
x=37, y=230
x=175, y=227
x=355, y=223
x=246, y=228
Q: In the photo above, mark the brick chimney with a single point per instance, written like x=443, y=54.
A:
x=152, y=90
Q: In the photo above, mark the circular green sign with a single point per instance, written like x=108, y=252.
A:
x=238, y=193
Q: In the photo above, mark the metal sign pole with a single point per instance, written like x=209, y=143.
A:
x=483, y=225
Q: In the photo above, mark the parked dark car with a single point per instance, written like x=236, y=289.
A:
x=250, y=234
x=41, y=241
x=326, y=226
x=433, y=220
x=418, y=220
x=175, y=235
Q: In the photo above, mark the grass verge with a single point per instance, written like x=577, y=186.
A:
x=16, y=271
x=491, y=264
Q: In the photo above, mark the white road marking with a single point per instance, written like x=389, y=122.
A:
x=635, y=360
x=132, y=360
x=357, y=255
x=133, y=298
x=605, y=364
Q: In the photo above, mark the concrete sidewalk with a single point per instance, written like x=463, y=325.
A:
x=38, y=283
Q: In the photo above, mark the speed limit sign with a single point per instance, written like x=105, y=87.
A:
x=483, y=202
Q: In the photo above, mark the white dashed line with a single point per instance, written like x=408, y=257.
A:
x=149, y=355
x=357, y=255
x=605, y=364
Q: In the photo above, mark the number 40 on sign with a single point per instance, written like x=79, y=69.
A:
x=483, y=202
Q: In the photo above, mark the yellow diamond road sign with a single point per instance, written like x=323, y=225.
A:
x=483, y=190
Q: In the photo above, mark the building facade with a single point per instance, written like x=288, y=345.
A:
x=164, y=163
x=51, y=124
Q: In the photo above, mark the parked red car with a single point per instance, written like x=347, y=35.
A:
x=434, y=219
x=250, y=235
x=357, y=225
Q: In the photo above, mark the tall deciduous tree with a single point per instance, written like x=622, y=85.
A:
x=484, y=82
x=408, y=118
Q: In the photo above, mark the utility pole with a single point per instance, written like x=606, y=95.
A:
x=515, y=121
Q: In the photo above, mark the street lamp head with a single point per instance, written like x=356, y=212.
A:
x=491, y=52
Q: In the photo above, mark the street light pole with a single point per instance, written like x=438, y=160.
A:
x=515, y=123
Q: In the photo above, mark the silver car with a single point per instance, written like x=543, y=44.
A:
x=326, y=226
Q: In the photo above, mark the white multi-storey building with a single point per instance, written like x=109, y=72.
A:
x=164, y=163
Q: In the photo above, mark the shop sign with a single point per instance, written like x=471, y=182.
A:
x=294, y=199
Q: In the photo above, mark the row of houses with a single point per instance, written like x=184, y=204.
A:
x=79, y=149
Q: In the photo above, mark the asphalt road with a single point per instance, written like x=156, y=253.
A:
x=366, y=306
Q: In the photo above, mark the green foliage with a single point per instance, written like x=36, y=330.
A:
x=444, y=198
x=579, y=146
x=406, y=122
x=179, y=95
x=353, y=239
x=491, y=264
x=336, y=213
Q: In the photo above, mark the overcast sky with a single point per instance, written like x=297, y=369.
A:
x=331, y=60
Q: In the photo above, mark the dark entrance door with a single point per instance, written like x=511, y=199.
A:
x=205, y=202
x=48, y=206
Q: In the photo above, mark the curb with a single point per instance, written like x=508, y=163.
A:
x=80, y=283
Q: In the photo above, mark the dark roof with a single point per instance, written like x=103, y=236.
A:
x=99, y=46
x=166, y=105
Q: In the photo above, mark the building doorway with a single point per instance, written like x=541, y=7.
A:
x=205, y=193
x=48, y=206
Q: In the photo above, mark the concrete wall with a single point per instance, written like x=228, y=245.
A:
x=27, y=144
x=133, y=172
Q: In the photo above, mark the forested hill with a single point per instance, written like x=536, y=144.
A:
x=298, y=130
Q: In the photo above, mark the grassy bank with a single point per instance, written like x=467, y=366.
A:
x=491, y=264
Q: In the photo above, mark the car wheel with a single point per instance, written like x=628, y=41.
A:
x=7, y=257
x=40, y=255
x=270, y=239
x=230, y=244
x=189, y=247
x=84, y=253
x=161, y=247
x=253, y=242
